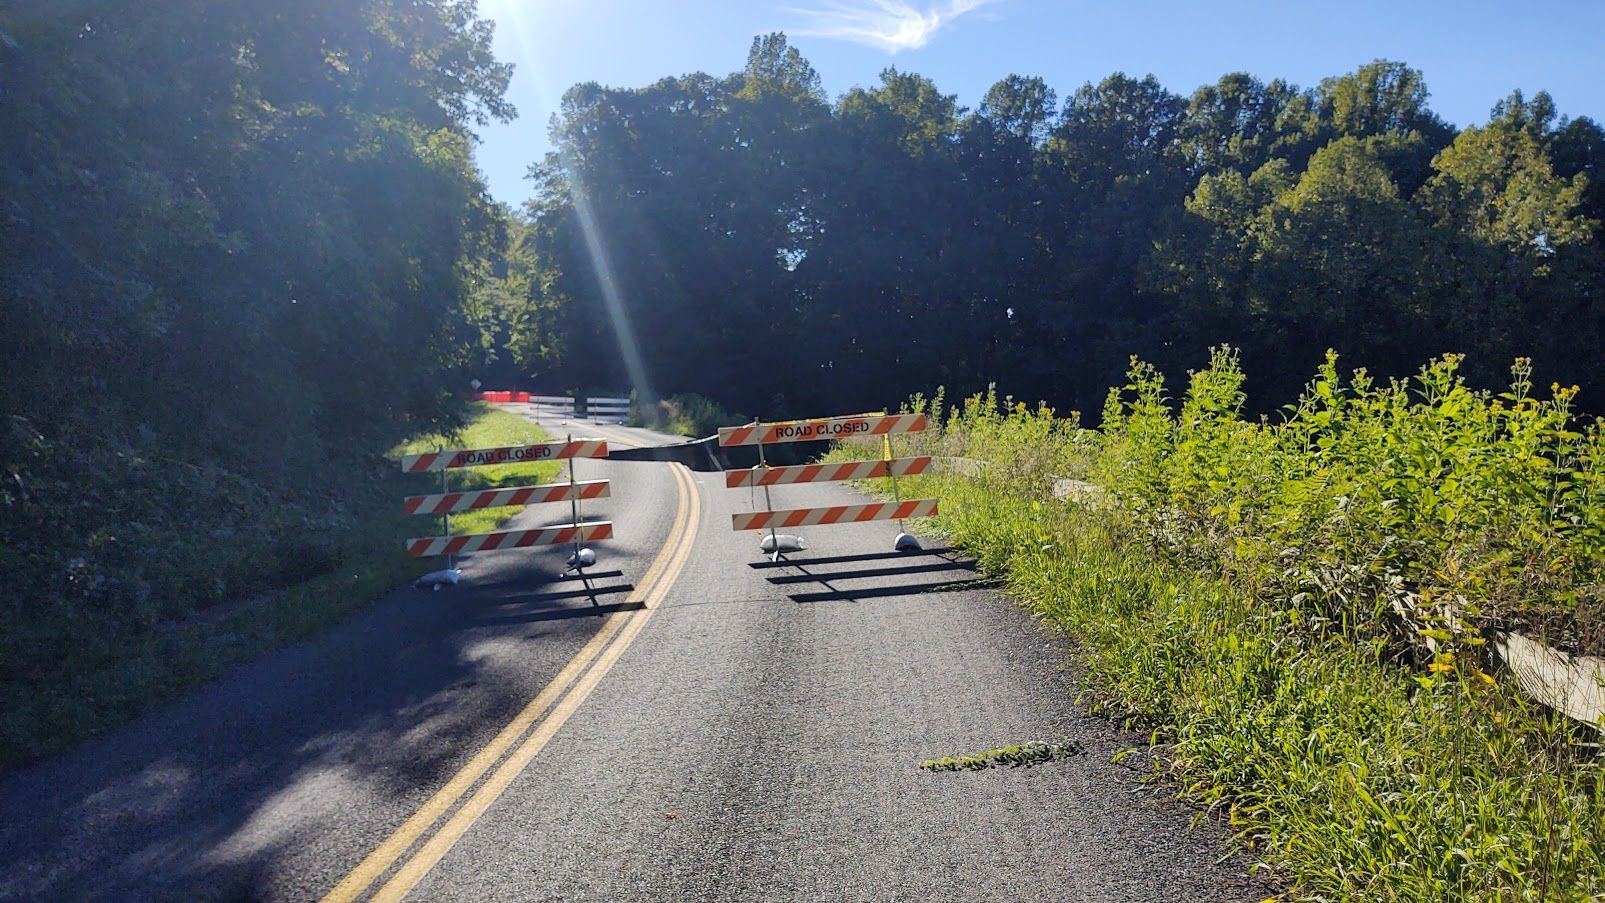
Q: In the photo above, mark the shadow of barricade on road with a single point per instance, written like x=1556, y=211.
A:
x=819, y=571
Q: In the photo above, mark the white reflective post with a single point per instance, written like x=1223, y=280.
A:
x=774, y=538
x=574, y=508
x=903, y=542
x=445, y=514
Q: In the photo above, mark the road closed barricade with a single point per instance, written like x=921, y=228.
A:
x=828, y=428
x=445, y=503
x=833, y=514
x=508, y=539
x=455, y=502
x=761, y=434
x=825, y=473
x=510, y=454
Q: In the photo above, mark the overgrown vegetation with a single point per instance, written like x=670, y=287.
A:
x=1258, y=595
x=243, y=251
x=184, y=570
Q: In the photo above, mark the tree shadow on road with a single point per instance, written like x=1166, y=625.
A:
x=212, y=796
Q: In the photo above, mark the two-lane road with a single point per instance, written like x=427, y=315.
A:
x=725, y=728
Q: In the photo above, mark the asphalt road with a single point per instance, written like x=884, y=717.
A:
x=721, y=728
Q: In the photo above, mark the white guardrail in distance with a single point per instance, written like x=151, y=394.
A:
x=606, y=409
x=552, y=405
x=603, y=409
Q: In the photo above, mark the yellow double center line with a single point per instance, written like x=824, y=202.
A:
x=556, y=702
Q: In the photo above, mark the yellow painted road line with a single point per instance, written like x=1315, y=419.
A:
x=403, y=838
x=661, y=573
x=437, y=846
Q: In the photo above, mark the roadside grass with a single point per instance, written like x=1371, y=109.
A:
x=1356, y=764
x=490, y=428
x=206, y=570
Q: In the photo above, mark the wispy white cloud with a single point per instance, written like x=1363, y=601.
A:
x=889, y=25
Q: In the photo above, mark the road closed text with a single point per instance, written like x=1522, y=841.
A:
x=823, y=429
x=516, y=454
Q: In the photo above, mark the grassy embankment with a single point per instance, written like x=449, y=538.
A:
x=1257, y=597
x=194, y=569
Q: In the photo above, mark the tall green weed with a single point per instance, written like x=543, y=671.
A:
x=1294, y=611
x=1419, y=506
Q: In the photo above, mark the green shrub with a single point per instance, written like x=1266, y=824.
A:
x=1410, y=507
x=1257, y=597
x=691, y=415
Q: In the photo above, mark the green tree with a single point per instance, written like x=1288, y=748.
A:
x=912, y=241
x=1495, y=185
x=1516, y=257
x=1112, y=175
x=1387, y=100
x=243, y=253
x=1577, y=149
x=1241, y=123
x=1019, y=107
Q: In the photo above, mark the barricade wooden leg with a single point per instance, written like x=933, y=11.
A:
x=903, y=542
x=763, y=464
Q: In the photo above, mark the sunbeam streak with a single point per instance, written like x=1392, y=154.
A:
x=517, y=16
x=612, y=297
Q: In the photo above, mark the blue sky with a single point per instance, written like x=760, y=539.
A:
x=1473, y=52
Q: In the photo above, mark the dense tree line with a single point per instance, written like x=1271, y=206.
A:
x=241, y=255
x=789, y=254
x=241, y=226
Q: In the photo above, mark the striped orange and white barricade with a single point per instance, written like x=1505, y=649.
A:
x=863, y=425
x=824, y=473
x=834, y=514
x=508, y=539
x=454, y=502
x=445, y=503
x=761, y=434
x=512, y=454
